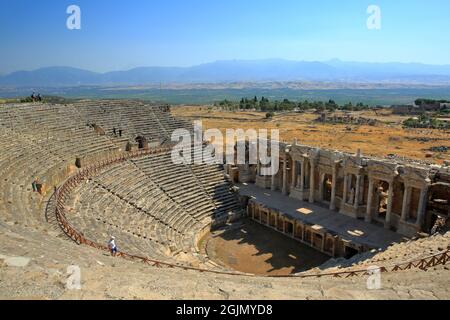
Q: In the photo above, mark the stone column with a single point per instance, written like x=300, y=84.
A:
x=272, y=182
x=387, y=223
x=321, y=180
x=357, y=191
x=361, y=189
x=333, y=190
x=333, y=250
x=422, y=206
x=369, y=201
x=294, y=230
x=311, y=182
x=273, y=216
x=344, y=194
x=294, y=175
x=284, y=188
x=406, y=203
x=302, y=176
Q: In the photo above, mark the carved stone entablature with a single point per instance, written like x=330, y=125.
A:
x=353, y=165
x=415, y=176
x=313, y=155
x=326, y=154
x=288, y=148
x=325, y=168
x=299, y=152
x=329, y=160
x=337, y=158
x=284, y=146
x=355, y=160
x=443, y=175
x=382, y=170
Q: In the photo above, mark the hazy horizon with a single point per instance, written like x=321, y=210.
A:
x=229, y=60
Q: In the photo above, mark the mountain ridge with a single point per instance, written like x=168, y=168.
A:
x=223, y=71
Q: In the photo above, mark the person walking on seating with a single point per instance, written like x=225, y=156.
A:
x=112, y=246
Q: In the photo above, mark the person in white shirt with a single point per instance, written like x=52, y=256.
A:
x=112, y=246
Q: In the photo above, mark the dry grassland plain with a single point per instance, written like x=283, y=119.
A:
x=387, y=137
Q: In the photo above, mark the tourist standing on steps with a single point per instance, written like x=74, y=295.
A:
x=112, y=246
x=34, y=185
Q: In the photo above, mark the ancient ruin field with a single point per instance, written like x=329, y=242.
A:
x=386, y=138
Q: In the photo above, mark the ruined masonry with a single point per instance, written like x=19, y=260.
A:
x=404, y=198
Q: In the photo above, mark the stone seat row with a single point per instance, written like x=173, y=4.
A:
x=135, y=187
x=399, y=253
x=174, y=231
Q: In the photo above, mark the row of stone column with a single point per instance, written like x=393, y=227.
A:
x=255, y=209
x=406, y=205
x=356, y=201
x=299, y=183
x=284, y=184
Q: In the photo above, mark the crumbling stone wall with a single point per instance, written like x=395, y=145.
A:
x=345, y=119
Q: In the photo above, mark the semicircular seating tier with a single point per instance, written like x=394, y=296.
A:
x=156, y=209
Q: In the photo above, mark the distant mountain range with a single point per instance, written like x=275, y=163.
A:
x=272, y=70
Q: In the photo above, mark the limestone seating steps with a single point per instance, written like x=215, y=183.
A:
x=38, y=137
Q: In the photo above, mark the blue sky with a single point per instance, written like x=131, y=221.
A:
x=117, y=35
